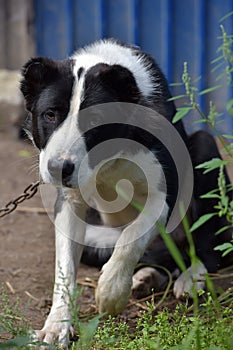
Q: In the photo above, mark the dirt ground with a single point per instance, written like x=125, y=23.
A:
x=27, y=240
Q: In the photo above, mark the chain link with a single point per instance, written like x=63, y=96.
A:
x=28, y=193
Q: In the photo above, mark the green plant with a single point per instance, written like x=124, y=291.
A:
x=85, y=330
x=213, y=118
x=12, y=322
x=166, y=329
x=11, y=319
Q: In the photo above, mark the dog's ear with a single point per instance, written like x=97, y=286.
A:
x=36, y=74
x=118, y=79
x=123, y=82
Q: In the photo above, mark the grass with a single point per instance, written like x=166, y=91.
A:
x=179, y=329
x=207, y=326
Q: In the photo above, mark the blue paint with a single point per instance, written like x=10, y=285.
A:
x=54, y=27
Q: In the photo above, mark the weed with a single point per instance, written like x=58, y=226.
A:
x=11, y=319
x=165, y=330
x=223, y=193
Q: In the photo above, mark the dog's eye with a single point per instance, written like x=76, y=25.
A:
x=50, y=116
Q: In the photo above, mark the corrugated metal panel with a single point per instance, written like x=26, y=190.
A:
x=54, y=27
x=89, y=19
x=172, y=31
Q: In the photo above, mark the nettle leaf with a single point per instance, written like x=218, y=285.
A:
x=227, y=136
x=210, y=195
x=176, y=84
x=174, y=98
x=213, y=88
x=220, y=76
x=222, y=229
x=172, y=247
x=217, y=59
x=16, y=342
x=181, y=112
x=226, y=16
x=212, y=164
x=203, y=219
x=225, y=201
x=197, y=79
x=224, y=246
x=87, y=332
x=230, y=106
x=217, y=66
x=227, y=251
x=200, y=121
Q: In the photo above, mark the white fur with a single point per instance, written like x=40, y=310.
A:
x=101, y=236
x=68, y=254
x=77, y=95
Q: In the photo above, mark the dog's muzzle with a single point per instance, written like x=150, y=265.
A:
x=61, y=170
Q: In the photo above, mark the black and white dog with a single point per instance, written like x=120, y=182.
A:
x=76, y=106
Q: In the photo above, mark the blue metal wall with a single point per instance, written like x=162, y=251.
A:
x=172, y=31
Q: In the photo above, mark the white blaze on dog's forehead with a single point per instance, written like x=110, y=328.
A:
x=112, y=53
x=85, y=62
x=76, y=96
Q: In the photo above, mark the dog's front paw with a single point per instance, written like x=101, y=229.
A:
x=113, y=290
x=56, y=330
x=193, y=277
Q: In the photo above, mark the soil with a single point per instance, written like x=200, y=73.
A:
x=27, y=242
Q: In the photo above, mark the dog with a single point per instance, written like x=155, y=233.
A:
x=113, y=95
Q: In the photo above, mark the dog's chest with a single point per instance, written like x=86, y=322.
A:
x=121, y=192
x=119, y=189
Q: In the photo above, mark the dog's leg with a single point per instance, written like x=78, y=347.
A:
x=69, y=227
x=116, y=279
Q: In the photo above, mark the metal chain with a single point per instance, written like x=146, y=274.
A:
x=28, y=193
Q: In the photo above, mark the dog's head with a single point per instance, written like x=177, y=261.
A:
x=57, y=96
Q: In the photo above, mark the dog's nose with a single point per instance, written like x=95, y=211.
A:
x=61, y=168
x=67, y=169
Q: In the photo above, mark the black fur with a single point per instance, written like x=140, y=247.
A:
x=47, y=87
